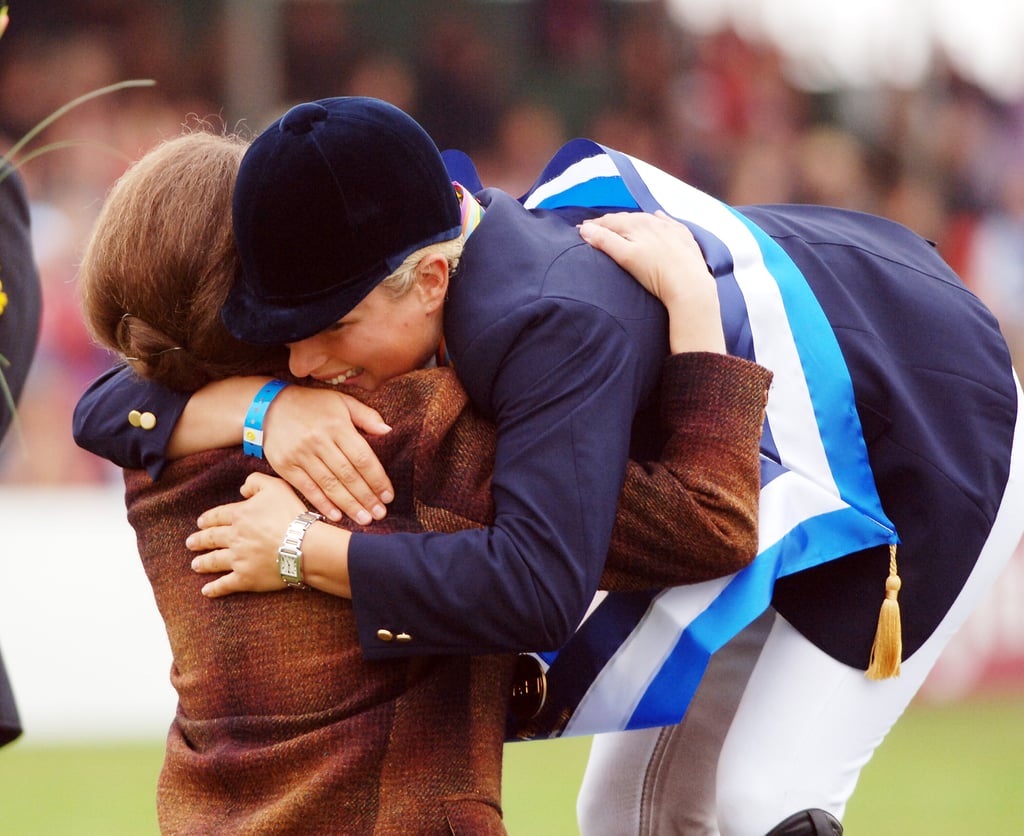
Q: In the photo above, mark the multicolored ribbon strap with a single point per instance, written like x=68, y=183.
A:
x=472, y=211
x=472, y=214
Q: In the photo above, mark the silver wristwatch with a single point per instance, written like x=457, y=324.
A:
x=289, y=554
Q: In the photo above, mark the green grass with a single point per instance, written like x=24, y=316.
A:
x=81, y=790
x=953, y=770
x=944, y=771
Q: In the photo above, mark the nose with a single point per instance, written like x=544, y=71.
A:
x=304, y=357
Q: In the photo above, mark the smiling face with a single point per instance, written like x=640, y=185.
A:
x=382, y=337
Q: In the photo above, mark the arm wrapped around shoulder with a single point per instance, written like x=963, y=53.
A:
x=692, y=515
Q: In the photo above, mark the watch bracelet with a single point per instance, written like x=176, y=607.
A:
x=291, y=546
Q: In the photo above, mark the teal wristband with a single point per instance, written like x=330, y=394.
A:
x=252, y=432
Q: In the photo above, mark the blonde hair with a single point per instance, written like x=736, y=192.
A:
x=402, y=280
x=161, y=260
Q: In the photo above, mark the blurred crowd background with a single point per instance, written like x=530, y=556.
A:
x=507, y=82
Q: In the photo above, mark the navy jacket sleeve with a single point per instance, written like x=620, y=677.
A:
x=101, y=423
x=559, y=349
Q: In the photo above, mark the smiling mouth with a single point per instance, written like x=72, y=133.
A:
x=347, y=375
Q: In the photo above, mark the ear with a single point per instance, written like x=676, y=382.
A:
x=432, y=280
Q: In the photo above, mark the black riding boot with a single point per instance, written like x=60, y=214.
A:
x=808, y=823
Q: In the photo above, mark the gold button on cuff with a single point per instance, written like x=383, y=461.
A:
x=403, y=637
x=147, y=420
x=135, y=418
x=385, y=635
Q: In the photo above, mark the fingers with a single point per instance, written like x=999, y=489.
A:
x=356, y=475
x=636, y=227
x=360, y=455
x=212, y=562
x=220, y=515
x=365, y=417
x=224, y=585
x=237, y=574
x=306, y=485
x=253, y=484
x=218, y=562
x=634, y=243
x=608, y=241
x=352, y=480
x=212, y=527
x=241, y=539
x=330, y=495
x=638, y=241
x=621, y=223
x=646, y=245
x=327, y=458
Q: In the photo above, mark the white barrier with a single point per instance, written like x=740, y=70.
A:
x=81, y=637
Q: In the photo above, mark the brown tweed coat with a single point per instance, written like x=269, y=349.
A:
x=282, y=726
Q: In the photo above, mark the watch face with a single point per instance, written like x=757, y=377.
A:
x=287, y=566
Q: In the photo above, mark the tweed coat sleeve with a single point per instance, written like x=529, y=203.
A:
x=692, y=515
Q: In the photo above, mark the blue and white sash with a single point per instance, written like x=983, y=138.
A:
x=636, y=659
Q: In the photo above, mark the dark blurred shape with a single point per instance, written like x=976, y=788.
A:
x=19, y=335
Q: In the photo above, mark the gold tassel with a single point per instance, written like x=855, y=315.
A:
x=887, y=650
